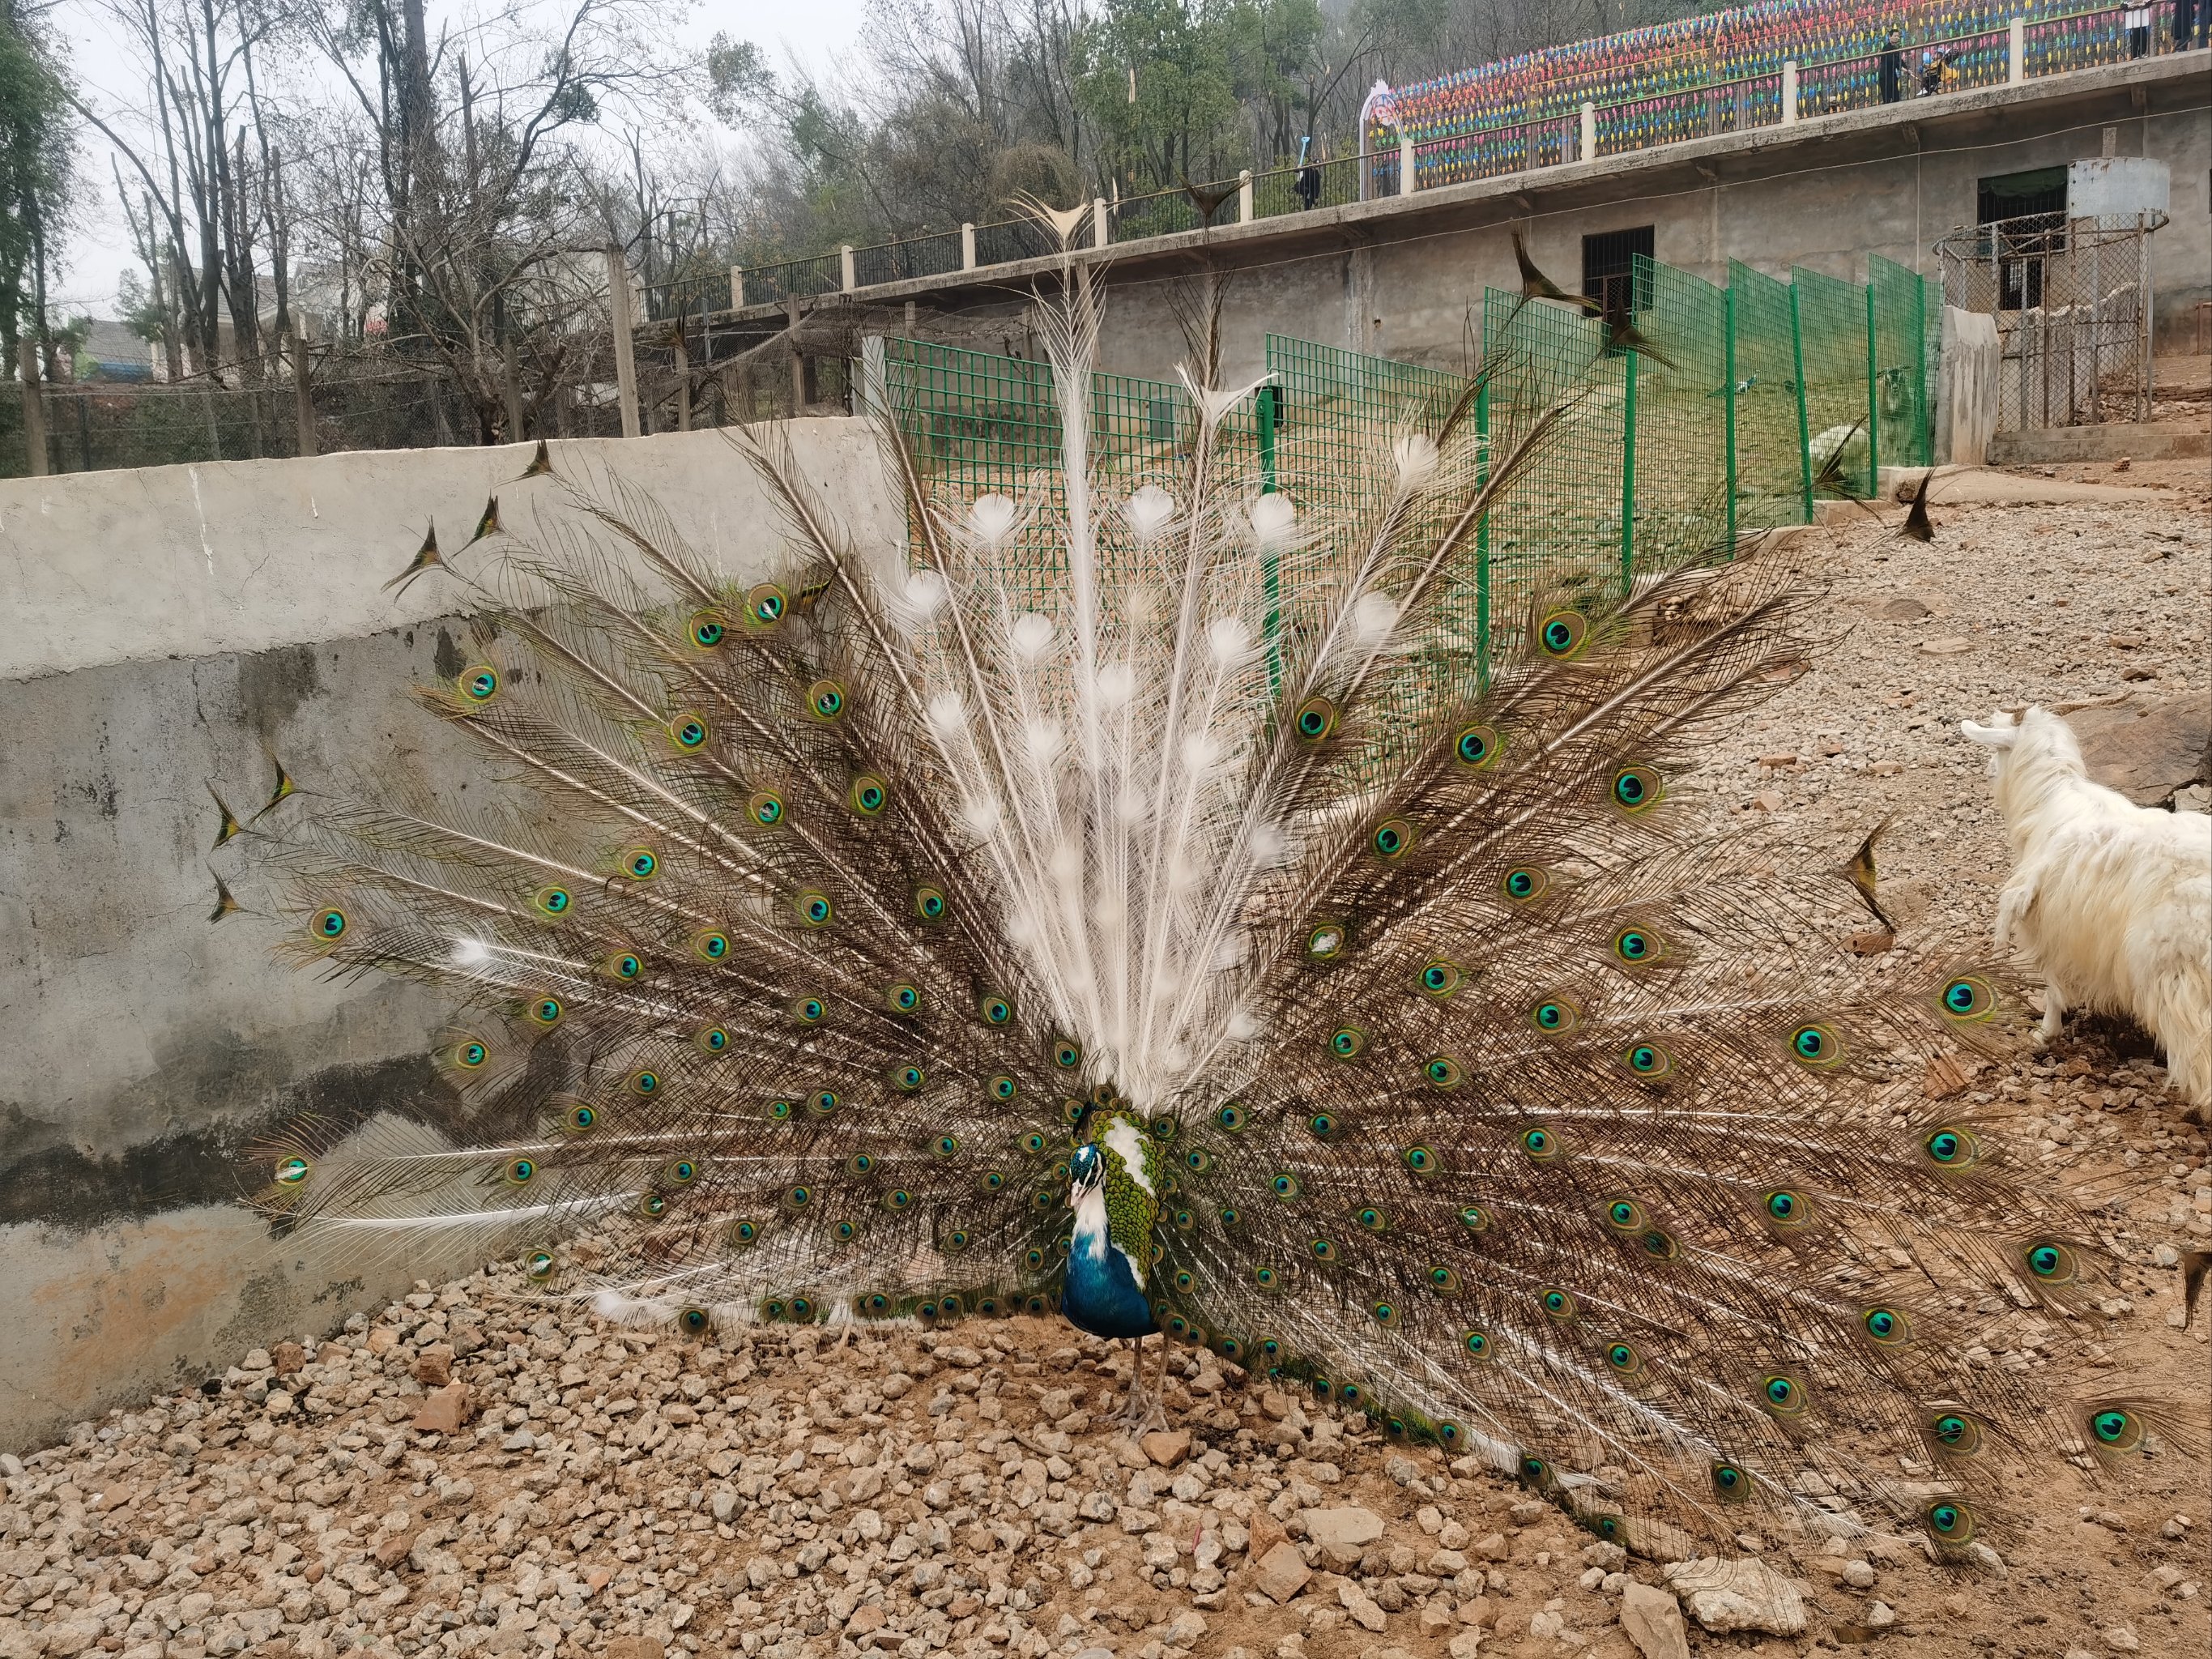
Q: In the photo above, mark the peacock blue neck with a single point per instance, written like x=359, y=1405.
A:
x=1112, y=1244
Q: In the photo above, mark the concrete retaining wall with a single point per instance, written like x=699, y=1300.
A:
x=167, y=630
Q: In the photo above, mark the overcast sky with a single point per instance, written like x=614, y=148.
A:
x=817, y=33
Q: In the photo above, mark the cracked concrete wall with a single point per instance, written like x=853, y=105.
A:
x=167, y=630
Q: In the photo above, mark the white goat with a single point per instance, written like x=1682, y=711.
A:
x=2113, y=901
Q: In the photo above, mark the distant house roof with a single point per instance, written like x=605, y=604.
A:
x=112, y=352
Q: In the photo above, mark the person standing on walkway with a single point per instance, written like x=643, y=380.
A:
x=2138, y=27
x=1893, y=70
x=2189, y=17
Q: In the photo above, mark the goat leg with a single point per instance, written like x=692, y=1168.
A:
x=2054, y=1015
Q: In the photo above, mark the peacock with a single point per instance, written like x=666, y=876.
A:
x=1143, y=898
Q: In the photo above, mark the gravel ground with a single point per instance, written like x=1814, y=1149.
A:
x=467, y=1472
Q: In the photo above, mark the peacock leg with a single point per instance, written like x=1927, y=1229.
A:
x=1143, y=1409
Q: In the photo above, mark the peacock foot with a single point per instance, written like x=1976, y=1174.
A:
x=1144, y=1409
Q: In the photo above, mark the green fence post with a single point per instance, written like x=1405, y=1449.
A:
x=1873, y=403
x=1924, y=450
x=1804, y=433
x=1482, y=539
x=1627, y=472
x=1728, y=390
x=1271, y=574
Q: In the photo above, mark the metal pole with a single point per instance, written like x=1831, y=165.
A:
x=34, y=410
x=1270, y=567
x=619, y=311
x=1873, y=403
x=1728, y=347
x=683, y=377
x=303, y=402
x=1482, y=539
x=1628, y=472
x=1804, y=433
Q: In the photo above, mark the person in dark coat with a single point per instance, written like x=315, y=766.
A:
x=1892, y=71
x=2190, y=18
x=1308, y=184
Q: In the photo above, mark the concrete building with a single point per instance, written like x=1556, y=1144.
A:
x=1395, y=276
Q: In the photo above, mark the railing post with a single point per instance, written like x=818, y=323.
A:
x=1874, y=399
x=1728, y=334
x=1244, y=197
x=34, y=410
x=2015, y=52
x=303, y=403
x=618, y=313
x=1101, y=231
x=1804, y=430
x=1789, y=91
x=1627, y=472
x=1589, y=151
x=1405, y=165
x=737, y=288
x=683, y=354
x=845, y=267
x=967, y=247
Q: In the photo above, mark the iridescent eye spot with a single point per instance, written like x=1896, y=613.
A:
x=1067, y=1053
x=744, y=1232
x=1348, y=1043
x=1420, y=1160
x=781, y=1111
x=546, y=1010
x=1443, y=1280
x=2117, y=1428
x=898, y=1198
x=1314, y=719
x=1558, y=1304
x=1321, y=1124
x=1957, y=1433
x=1816, y=1045
x=929, y=903
x=1623, y=1358
x=470, y=1056
x=826, y=698
x=1969, y=998
x=1440, y=978
x=1786, y=1208
x=291, y=1171
x=1391, y=838
x=1386, y=1313
x=652, y=1205
x=1474, y=1217
x=1442, y=1071
x=1524, y=884
x=684, y=1171
x=945, y=1146
x=520, y=1171
x=1635, y=789
x=706, y=632
x=1541, y=1145
x=822, y=1102
x=958, y=1239
x=553, y=901
x=1783, y=1396
x=815, y=909
x=646, y=1082
x=1649, y=1061
x=624, y=965
x=1950, y=1520
x=1373, y=1219
x=993, y=1180
x=688, y=733
x=1886, y=1327
x=1635, y=946
x=1624, y=1215
x=641, y=864
x=798, y=1198
x=1476, y=746
x=765, y=809
x=694, y=1322
x=1476, y=1343
x=583, y=1116
x=997, y=1011
x=1729, y=1481
x=711, y=946
x=538, y=1265
x=1198, y=1160
x=478, y=684
x=1560, y=635
x=1951, y=1148
x=766, y=605
x=1229, y=1215
x=903, y=999
x=1555, y=1017
x=1004, y=1088
x=868, y=795
x=330, y=926
x=1326, y=942
x=907, y=1078
x=2052, y=1263
x=715, y=1039
x=1231, y=1116
x=1287, y=1186
x=1324, y=1249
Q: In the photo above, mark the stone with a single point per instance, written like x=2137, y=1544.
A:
x=1361, y=1606
x=1653, y=1620
x=445, y=1410
x=1947, y=645
x=2120, y=1638
x=2148, y=753
x=1901, y=608
x=1343, y=1534
x=434, y=1366
x=288, y=1358
x=1185, y=1630
x=1283, y=1572
x=635, y=1647
x=1743, y=1594
x=1166, y=1446
x=1465, y=1645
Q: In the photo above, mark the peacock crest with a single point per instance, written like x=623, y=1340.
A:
x=1140, y=897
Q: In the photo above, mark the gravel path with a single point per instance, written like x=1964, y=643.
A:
x=466, y=1472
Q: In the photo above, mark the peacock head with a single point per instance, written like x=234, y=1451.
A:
x=1085, y=1171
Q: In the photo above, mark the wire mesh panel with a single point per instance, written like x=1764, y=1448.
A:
x=1769, y=474
x=1678, y=444
x=1831, y=324
x=1327, y=399
x=1561, y=526
x=1900, y=355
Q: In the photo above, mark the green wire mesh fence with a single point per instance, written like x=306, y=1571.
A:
x=1702, y=415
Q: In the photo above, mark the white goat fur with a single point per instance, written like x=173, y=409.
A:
x=2113, y=901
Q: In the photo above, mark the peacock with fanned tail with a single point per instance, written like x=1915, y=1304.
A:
x=1131, y=900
